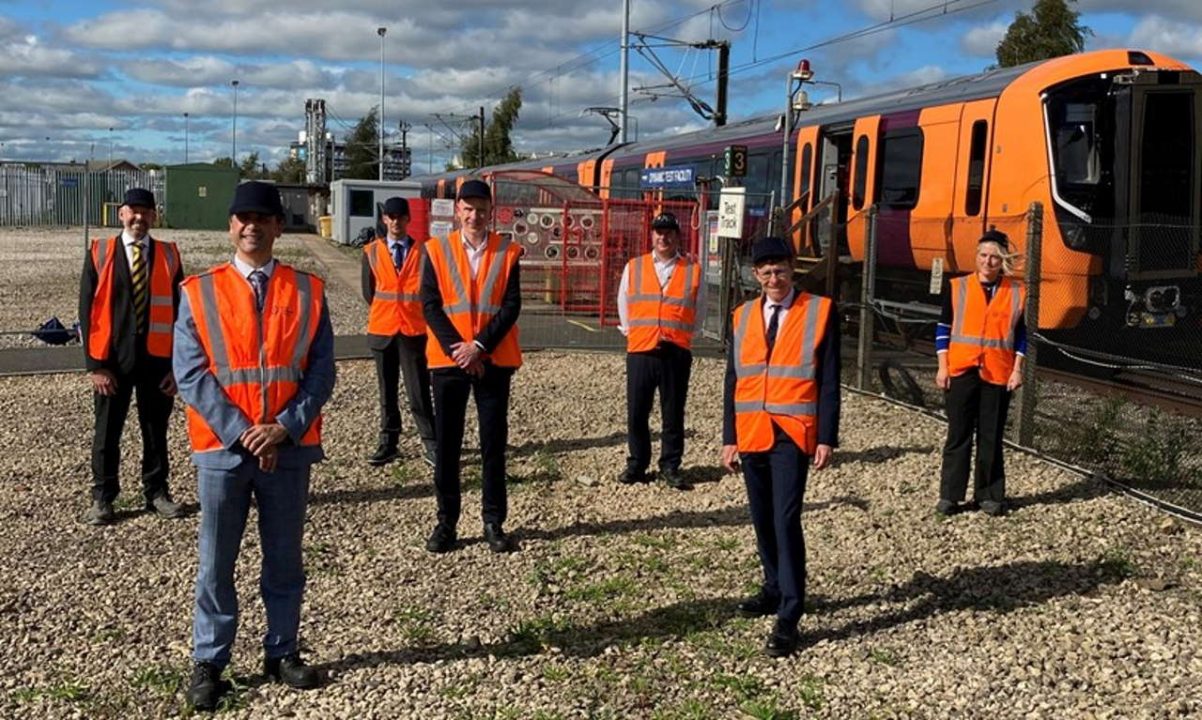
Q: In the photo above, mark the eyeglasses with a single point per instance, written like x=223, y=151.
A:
x=766, y=273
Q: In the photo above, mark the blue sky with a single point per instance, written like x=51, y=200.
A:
x=72, y=69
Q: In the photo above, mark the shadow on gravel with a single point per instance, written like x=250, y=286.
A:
x=420, y=489
x=532, y=637
x=998, y=589
x=584, y=443
x=1083, y=489
x=880, y=454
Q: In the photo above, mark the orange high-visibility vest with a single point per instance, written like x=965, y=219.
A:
x=471, y=301
x=655, y=314
x=783, y=389
x=396, y=307
x=258, y=359
x=164, y=263
x=983, y=333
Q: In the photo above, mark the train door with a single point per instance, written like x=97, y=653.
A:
x=862, y=182
x=834, y=162
x=972, y=182
x=805, y=188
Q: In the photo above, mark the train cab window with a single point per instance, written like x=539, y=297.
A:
x=1076, y=146
x=861, y=170
x=976, y=168
x=363, y=203
x=901, y=168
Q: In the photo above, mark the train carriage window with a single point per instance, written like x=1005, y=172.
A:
x=976, y=168
x=756, y=182
x=807, y=164
x=901, y=168
x=861, y=170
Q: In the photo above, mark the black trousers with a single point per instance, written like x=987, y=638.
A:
x=404, y=356
x=666, y=369
x=776, y=486
x=451, y=389
x=977, y=409
x=154, y=413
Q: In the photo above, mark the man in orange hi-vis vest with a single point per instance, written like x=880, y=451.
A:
x=980, y=341
x=780, y=410
x=255, y=363
x=471, y=295
x=396, y=331
x=661, y=309
x=128, y=298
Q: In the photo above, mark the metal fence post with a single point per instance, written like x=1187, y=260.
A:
x=867, y=294
x=1029, y=392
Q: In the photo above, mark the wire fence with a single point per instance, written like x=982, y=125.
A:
x=62, y=195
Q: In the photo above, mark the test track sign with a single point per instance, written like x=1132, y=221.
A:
x=730, y=212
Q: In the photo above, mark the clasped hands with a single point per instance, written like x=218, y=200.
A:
x=469, y=357
x=264, y=441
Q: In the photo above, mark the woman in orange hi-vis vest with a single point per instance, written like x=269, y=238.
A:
x=780, y=409
x=661, y=307
x=980, y=341
x=471, y=296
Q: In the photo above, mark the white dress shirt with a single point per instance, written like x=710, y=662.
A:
x=785, y=305
x=128, y=241
x=473, y=253
x=663, y=272
x=245, y=268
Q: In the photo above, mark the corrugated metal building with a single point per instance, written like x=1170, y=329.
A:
x=198, y=196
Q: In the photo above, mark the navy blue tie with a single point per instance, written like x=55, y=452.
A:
x=773, y=327
x=258, y=281
x=398, y=254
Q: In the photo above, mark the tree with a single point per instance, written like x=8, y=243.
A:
x=223, y=162
x=498, y=147
x=1050, y=30
x=250, y=168
x=290, y=170
x=363, y=148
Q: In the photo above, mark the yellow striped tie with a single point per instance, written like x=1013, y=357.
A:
x=138, y=273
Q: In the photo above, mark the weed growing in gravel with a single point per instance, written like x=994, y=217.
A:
x=1116, y=563
x=161, y=679
x=688, y=710
x=108, y=634
x=767, y=709
x=319, y=559
x=530, y=637
x=556, y=673
x=810, y=692
x=1157, y=458
x=743, y=687
x=65, y=689
x=405, y=474
x=659, y=542
x=599, y=592
x=884, y=656
x=417, y=624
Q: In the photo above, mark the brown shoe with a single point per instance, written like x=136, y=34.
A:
x=163, y=506
x=101, y=513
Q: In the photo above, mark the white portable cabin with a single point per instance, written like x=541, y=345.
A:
x=358, y=204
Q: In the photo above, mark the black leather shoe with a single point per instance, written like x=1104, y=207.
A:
x=163, y=506
x=630, y=476
x=992, y=507
x=428, y=456
x=100, y=513
x=207, y=687
x=674, y=479
x=759, y=605
x=442, y=539
x=497, y=540
x=384, y=454
x=946, y=508
x=783, y=640
x=292, y=671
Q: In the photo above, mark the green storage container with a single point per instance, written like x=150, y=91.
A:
x=198, y=196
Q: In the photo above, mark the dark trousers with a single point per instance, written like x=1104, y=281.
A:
x=666, y=369
x=404, y=356
x=154, y=412
x=451, y=389
x=977, y=409
x=776, y=486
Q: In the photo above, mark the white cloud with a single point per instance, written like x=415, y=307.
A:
x=1171, y=37
x=982, y=40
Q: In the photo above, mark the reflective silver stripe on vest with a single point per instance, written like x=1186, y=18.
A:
x=228, y=378
x=777, y=408
x=660, y=323
x=634, y=291
x=304, y=291
x=371, y=257
x=221, y=356
x=159, y=327
x=463, y=303
x=806, y=365
x=102, y=253
x=487, y=307
x=1015, y=306
x=161, y=300
x=396, y=297
x=741, y=323
x=959, y=306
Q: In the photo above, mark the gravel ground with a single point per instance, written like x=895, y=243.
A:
x=1079, y=604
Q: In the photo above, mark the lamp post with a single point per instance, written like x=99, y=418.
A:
x=185, y=138
x=234, y=135
x=381, y=31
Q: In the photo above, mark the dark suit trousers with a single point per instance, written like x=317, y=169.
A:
x=667, y=369
x=776, y=485
x=154, y=412
x=451, y=389
x=404, y=356
x=977, y=409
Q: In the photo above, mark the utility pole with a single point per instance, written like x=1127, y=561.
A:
x=234, y=133
x=381, y=32
x=624, y=100
x=481, y=136
x=723, y=76
x=185, y=138
x=406, y=165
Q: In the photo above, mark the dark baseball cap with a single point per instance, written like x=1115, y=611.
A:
x=474, y=189
x=995, y=236
x=257, y=197
x=771, y=249
x=396, y=206
x=140, y=197
x=665, y=221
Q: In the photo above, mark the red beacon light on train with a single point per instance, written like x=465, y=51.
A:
x=803, y=71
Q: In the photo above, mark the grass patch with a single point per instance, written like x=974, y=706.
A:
x=767, y=709
x=688, y=710
x=160, y=679
x=658, y=542
x=1117, y=563
x=64, y=690
x=810, y=692
x=530, y=637
x=884, y=656
x=742, y=687
x=407, y=473
x=320, y=558
x=417, y=624
x=599, y=592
